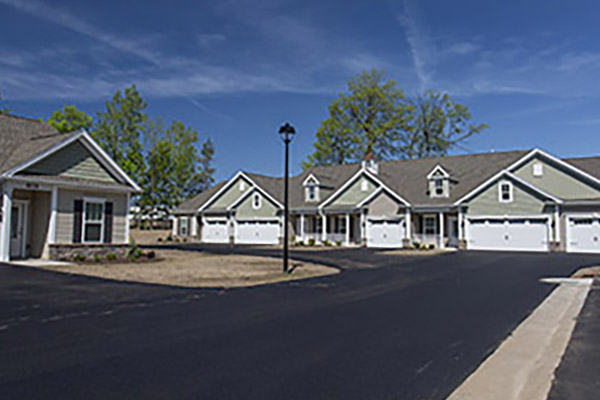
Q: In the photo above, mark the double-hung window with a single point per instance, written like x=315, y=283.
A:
x=439, y=187
x=93, y=221
x=505, y=192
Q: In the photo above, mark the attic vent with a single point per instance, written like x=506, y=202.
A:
x=538, y=169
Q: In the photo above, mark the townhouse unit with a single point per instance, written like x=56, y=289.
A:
x=517, y=200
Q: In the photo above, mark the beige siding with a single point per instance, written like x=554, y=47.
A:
x=354, y=194
x=75, y=161
x=524, y=203
x=383, y=205
x=245, y=210
x=64, y=217
x=230, y=195
x=557, y=181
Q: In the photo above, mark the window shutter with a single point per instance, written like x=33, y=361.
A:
x=77, y=220
x=108, y=222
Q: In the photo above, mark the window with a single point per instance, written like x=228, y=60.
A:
x=242, y=186
x=183, y=226
x=429, y=223
x=340, y=225
x=93, y=221
x=439, y=187
x=311, y=193
x=505, y=192
x=364, y=186
x=256, y=201
x=538, y=169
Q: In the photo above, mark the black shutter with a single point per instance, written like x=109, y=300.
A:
x=77, y=222
x=108, y=222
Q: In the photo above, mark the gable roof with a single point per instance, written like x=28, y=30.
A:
x=192, y=205
x=589, y=165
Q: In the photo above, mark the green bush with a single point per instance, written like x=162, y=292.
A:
x=159, y=239
x=326, y=243
x=79, y=258
x=338, y=243
x=134, y=252
x=431, y=246
x=299, y=243
x=169, y=238
x=311, y=242
x=111, y=257
x=97, y=258
x=416, y=245
x=423, y=246
x=151, y=254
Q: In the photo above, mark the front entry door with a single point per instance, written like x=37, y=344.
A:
x=17, y=229
x=452, y=231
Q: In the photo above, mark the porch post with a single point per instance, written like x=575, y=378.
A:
x=302, y=227
x=194, y=227
x=362, y=229
x=324, y=227
x=408, y=222
x=461, y=232
x=556, y=224
x=175, y=225
x=441, y=222
x=7, y=194
x=127, y=214
x=51, y=239
x=347, y=229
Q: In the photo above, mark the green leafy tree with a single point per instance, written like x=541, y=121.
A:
x=438, y=124
x=185, y=159
x=70, y=119
x=118, y=130
x=3, y=110
x=207, y=171
x=369, y=118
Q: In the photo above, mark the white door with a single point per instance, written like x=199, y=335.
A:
x=257, y=232
x=385, y=233
x=215, y=231
x=583, y=234
x=513, y=234
x=18, y=222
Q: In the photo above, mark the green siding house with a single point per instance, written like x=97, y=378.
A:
x=62, y=195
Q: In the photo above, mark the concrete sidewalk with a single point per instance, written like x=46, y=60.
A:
x=578, y=375
x=522, y=367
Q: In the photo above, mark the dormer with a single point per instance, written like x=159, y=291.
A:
x=311, y=189
x=369, y=164
x=438, y=182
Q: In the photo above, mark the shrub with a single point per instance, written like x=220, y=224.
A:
x=184, y=240
x=431, y=246
x=169, y=238
x=134, y=252
x=423, y=246
x=326, y=242
x=111, y=257
x=416, y=245
x=299, y=243
x=151, y=254
x=79, y=258
x=97, y=258
x=159, y=239
x=311, y=242
x=338, y=243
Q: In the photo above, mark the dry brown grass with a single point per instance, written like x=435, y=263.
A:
x=149, y=236
x=197, y=269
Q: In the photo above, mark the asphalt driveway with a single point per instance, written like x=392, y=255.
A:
x=410, y=329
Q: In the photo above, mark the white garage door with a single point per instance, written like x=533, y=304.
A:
x=257, y=232
x=385, y=233
x=583, y=234
x=514, y=234
x=215, y=231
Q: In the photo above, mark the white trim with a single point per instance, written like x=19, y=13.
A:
x=438, y=167
x=556, y=160
x=241, y=198
x=354, y=178
x=507, y=216
x=256, y=205
x=370, y=197
x=53, y=215
x=310, y=176
x=511, y=176
x=231, y=182
x=441, y=229
x=93, y=200
x=127, y=223
x=537, y=169
x=501, y=198
x=7, y=193
x=74, y=184
x=91, y=145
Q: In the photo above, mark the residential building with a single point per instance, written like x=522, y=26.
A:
x=516, y=200
x=62, y=195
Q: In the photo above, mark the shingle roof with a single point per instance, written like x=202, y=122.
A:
x=22, y=139
x=192, y=205
x=590, y=165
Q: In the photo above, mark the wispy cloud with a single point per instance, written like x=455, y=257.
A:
x=418, y=43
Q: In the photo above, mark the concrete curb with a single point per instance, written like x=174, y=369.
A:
x=522, y=368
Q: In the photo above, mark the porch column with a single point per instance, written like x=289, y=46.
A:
x=302, y=229
x=175, y=225
x=557, y=224
x=408, y=223
x=324, y=228
x=231, y=228
x=53, y=215
x=7, y=194
x=51, y=239
x=347, y=229
x=461, y=231
x=441, y=222
x=194, y=227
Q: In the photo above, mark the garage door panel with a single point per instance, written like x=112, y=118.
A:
x=512, y=234
x=583, y=234
x=257, y=232
x=215, y=232
x=385, y=233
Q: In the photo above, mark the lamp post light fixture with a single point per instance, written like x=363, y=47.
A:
x=286, y=132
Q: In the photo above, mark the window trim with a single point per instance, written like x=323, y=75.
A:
x=242, y=185
x=187, y=226
x=538, y=169
x=313, y=187
x=510, y=192
x=93, y=200
x=256, y=205
x=364, y=185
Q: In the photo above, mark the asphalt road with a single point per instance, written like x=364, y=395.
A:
x=408, y=329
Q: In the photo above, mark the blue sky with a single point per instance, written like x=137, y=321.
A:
x=236, y=69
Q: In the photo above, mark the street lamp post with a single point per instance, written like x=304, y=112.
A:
x=286, y=132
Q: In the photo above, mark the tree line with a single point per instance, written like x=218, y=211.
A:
x=375, y=116
x=168, y=161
